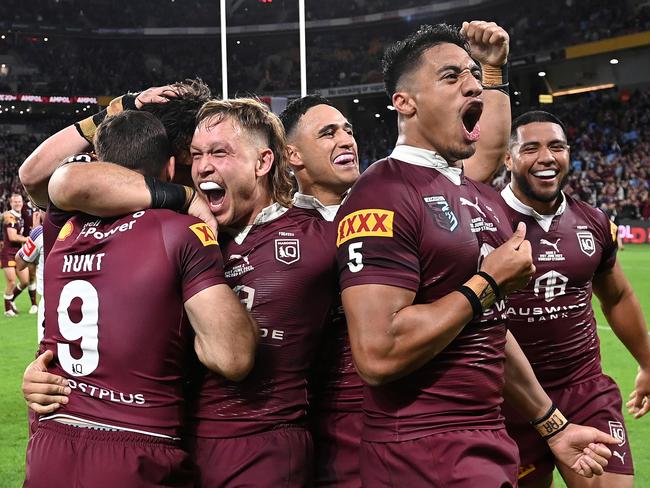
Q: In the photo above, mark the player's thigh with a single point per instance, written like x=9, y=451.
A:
x=23, y=276
x=606, y=480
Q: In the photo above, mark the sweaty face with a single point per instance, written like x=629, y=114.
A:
x=445, y=90
x=327, y=148
x=16, y=203
x=224, y=160
x=539, y=162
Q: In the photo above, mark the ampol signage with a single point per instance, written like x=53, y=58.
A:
x=634, y=231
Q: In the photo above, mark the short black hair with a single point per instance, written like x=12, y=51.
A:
x=403, y=56
x=290, y=116
x=178, y=114
x=133, y=139
x=531, y=117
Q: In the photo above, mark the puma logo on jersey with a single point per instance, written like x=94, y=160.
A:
x=371, y=222
x=239, y=256
x=466, y=202
x=552, y=244
x=620, y=456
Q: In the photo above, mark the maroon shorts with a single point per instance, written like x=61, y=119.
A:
x=458, y=459
x=597, y=403
x=62, y=456
x=337, y=440
x=282, y=457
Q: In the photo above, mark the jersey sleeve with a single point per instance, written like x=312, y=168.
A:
x=378, y=236
x=197, y=253
x=10, y=221
x=607, y=232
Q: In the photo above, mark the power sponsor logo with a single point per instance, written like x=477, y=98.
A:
x=204, y=233
x=65, y=231
x=371, y=222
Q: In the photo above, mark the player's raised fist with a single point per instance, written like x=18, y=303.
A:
x=488, y=43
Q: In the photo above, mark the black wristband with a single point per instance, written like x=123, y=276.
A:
x=491, y=282
x=477, y=309
x=504, y=88
x=128, y=101
x=169, y=195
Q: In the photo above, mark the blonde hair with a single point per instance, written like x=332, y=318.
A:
x=255, y=117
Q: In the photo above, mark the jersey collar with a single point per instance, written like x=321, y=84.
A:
x=310, y=202
x=429, y=159
x=543, y=220
x=15, y=214
x=267, y=214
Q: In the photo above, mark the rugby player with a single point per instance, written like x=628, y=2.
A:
x=29, y=255
x=574, y=251
x=427, y=331
x=13, y=237
x=122, y=423
x=281, y=263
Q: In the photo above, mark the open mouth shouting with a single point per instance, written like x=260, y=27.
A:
x=214, y=193
x=470, y=116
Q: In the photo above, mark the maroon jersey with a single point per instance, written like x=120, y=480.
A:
x=336, y=385
x=552, y=318
x=283, y=269
x=422, y=226
x=11, y=220
x=114, y=315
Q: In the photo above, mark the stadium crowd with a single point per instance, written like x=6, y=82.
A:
x=271, y=65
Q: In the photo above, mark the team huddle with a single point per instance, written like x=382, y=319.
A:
x=289, y=322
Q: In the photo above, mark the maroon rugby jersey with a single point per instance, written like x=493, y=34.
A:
x=114, y=315
x=12, y=220
x=283, y=270
x=336, y=385
x=409, y=225
x=552, y=318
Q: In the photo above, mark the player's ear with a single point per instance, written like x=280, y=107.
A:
x=264, y=162
x=508, y=161
x=170, y=169
x=404, y=103
x=295, y=158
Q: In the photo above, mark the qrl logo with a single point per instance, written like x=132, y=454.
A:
x=552, y=284
x=287, y=250
x=617, y=430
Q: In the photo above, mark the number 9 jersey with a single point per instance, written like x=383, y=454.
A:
x=114, y=315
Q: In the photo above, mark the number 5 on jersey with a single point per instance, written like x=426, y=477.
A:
x=355, y=262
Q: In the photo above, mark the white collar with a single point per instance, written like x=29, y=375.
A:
x=429, y=159
x=544, y=221
x=328, y=212
x=15, y=214
x=267, y=214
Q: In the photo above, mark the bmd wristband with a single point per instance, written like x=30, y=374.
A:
x=88, y=126
x=495, y=78
x=551, y=423
x=169, y=195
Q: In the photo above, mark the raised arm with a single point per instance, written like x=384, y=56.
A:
x=623, y=312
x=391, y=337
x=489, y=45
x=226, y=336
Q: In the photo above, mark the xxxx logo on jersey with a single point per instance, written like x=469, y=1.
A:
x=65, y=231
x=375, y=222
x=204, y=233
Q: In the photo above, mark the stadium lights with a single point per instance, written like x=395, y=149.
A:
x=613, y=61
x=390, y=107
x=4, y=65
x=3, y=36
x=238, y=42
x=541, y=74
x=21, y=112
x=356, y=100
x=46, y=39
x=377, y=116
x=583, y=89
x=517, y=93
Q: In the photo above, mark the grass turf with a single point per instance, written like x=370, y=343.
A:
x=18, y=344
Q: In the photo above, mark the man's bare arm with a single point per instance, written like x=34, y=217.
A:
x=226, y=336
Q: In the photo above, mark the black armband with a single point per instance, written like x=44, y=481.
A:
x=477, y=309
x=169, y=195
x=88, y=126
x=491, y=282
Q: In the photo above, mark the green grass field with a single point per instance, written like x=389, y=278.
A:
x=18, y=343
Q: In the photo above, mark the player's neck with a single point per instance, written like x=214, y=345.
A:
x=415, y=139
x=326, y=196
x=541, y=207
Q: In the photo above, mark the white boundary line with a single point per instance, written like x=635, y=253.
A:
x=224, y=50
